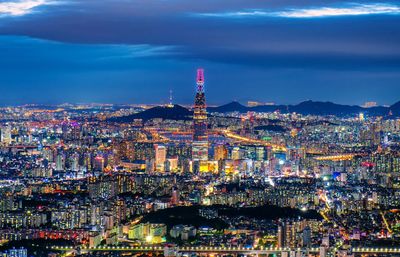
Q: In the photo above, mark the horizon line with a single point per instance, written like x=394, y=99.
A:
x=262, y=103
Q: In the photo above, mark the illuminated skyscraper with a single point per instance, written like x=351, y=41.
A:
x=200, y=137
x=5, y=136
x=220, y=153
x=98, y=163
x=160, y=157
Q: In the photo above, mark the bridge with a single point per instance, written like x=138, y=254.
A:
x=229, y=134
x=221, y=250
x=339, y=157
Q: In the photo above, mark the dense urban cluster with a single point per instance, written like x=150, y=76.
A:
x=74, y=176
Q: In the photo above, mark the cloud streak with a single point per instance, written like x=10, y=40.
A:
x=19, y=8
x=38, y=54
x=313, y=12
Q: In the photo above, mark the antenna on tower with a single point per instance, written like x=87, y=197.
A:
x=170, y=99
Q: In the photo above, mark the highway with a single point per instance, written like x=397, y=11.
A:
x=221, y=250
x=339, y=157
x=231, y=135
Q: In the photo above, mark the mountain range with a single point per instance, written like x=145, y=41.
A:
x=177, y=112
x=311, y=108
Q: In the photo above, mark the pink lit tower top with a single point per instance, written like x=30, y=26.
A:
x=200, y=137
x=200, y=80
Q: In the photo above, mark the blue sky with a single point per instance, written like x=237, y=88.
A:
x=135, y=51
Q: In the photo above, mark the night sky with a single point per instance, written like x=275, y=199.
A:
x=136, y=51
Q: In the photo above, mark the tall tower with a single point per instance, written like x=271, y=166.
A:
x=170, y=99
x=200, y=137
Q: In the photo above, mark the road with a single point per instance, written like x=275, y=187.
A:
x=221, y=250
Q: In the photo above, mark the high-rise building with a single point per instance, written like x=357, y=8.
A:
x=306, y=237
x=160, y=157
x=98, y=163
x=200, y=137
x=22, y=252
x=281, y=235
x=175, y=196
x=293, y=234
x=148, y=232
x=220, y=152
x=60, y=162
x=260, y=153
x=75, y=162
x=5, y=136
x=361, y=116
x=172, y=164
x=236, y=153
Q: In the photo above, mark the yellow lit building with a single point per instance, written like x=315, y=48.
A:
x=148, y=232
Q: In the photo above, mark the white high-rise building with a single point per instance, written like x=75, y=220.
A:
x=6, y=135
x=160, y=157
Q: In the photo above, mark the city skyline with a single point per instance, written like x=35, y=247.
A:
x=136, y=52
x=315, y=180
x=213, y=128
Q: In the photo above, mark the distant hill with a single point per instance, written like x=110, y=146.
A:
x=395, y=108
x=175, y=112
x=275, y=128
x=325, y=108
x=230, y=107
x=189, y=215
x=311, y=108
x=178, y=112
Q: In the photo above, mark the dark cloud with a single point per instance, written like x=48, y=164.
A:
x=118, y=37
